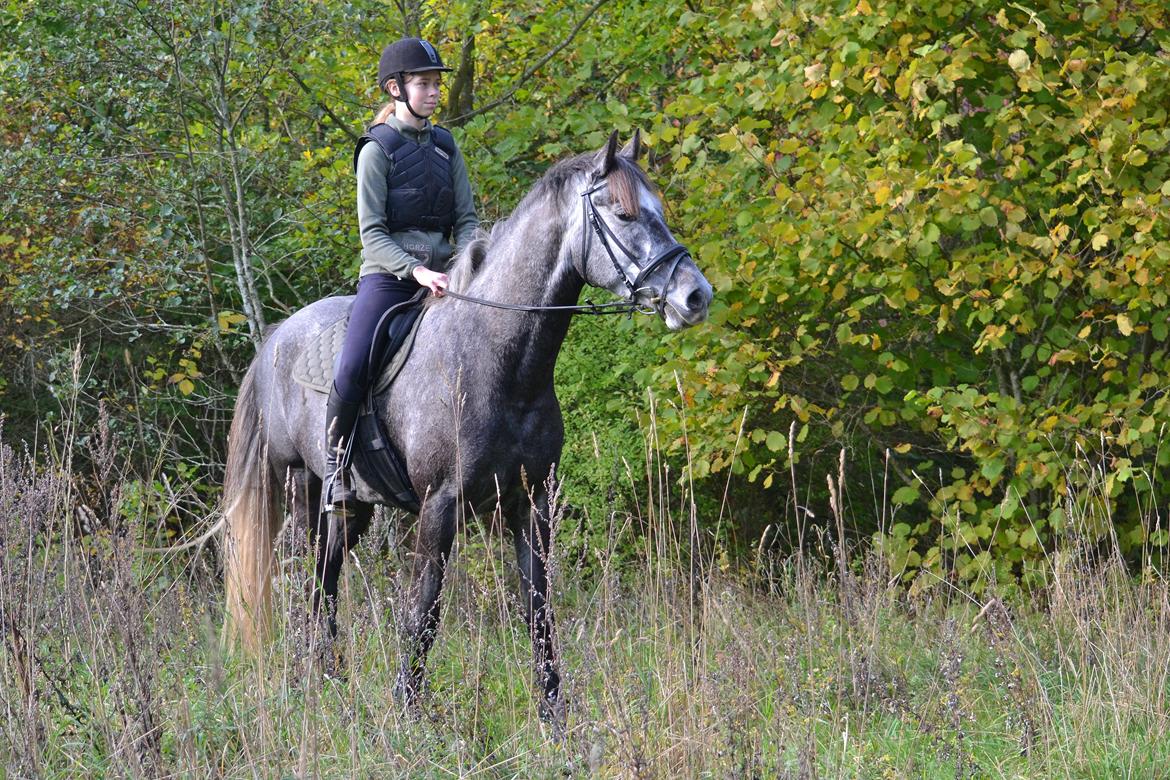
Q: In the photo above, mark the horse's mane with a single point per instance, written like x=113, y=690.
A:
x=624, y=181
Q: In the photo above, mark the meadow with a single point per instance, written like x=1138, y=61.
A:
x=677, y=660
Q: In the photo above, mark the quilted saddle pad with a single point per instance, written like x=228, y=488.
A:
x=314, y=368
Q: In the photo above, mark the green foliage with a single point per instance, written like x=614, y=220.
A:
x=599, y=396
x=936, y=233
x=937, y=229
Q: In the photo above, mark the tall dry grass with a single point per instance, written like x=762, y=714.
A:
x=677, y=662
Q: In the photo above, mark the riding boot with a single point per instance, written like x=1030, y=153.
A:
x=340, y=416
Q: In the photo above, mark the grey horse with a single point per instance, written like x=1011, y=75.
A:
x=473, y=411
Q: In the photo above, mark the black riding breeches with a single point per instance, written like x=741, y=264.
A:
x=375, y=294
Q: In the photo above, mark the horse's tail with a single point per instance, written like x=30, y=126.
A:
x=252, y=512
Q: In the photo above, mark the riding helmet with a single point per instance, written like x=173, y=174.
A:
x=408, y=55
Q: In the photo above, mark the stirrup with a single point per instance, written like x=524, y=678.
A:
x=343, y=507
x=340, y=510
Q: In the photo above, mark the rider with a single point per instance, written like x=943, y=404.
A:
x=413, y=196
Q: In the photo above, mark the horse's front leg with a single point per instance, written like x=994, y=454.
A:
x=420, y=617
x=531, y=534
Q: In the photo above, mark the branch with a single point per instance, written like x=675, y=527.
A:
x=312, y=96
x=532, y=70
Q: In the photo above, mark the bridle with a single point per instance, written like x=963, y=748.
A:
x=673, y=255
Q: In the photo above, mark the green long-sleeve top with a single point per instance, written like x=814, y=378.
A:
x=399, y=253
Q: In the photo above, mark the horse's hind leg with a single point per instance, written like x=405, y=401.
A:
x=531, y=535
x=336, y=534
x=303, y=498
x=420, y=619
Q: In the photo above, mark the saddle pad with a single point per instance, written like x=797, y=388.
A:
x=314, y=368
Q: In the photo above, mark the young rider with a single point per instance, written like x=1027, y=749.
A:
x=413, y=198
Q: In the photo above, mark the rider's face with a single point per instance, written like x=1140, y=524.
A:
x=422, y=89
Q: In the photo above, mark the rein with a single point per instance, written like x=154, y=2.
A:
x=673, y=255
x=589, y=307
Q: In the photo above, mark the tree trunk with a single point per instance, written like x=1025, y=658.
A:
x=461, y=97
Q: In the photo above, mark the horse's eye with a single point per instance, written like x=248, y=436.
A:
x=624, y=217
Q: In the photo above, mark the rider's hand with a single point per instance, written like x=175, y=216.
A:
x=436, y=281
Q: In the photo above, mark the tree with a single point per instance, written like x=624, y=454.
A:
x=934, y=232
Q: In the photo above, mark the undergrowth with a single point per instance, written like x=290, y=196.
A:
x=677, y=662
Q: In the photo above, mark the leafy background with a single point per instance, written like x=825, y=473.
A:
x=936, y=231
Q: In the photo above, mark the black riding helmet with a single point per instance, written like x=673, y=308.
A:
x=408, y=55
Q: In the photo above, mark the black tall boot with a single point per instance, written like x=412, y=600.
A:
x=340, y=416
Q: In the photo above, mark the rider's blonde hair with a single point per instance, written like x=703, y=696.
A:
x=384, y=113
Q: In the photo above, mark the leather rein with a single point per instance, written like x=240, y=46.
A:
x=673, y=255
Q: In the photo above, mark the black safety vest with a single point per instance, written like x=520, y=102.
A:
x=420, y=191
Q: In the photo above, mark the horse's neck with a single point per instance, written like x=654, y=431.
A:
x=524, y=265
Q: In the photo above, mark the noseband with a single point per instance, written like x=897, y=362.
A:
x=673, y=255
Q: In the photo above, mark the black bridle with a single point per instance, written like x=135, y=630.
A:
x=673, y=254
x=589, y=217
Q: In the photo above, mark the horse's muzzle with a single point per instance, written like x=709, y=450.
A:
x=687, y=299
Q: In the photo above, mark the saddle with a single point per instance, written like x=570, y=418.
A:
x=376, y=467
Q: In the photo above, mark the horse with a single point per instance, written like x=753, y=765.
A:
x=473, y=411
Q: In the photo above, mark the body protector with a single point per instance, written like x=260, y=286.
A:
x=420, y=191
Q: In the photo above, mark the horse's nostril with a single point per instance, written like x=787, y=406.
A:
x=695, y=300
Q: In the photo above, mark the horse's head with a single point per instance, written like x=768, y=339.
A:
x=625, y=245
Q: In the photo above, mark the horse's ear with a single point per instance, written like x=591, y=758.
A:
x=634, y=148
x=607, y=156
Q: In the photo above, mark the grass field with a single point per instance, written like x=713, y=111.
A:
x=674, y=665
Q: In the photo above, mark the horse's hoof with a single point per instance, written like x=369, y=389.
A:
x=331, y=660
x=552, y=711
x=334, y=668
x=406, y=693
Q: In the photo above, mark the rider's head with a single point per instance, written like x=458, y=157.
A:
x=410, y=71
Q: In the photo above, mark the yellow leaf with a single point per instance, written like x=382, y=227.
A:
x=1019, y=61
x=1099, y=241
x=912, y=294
x=186, y=387
x=772, y=379
x=902, y=85
x=228, y=318
x=1084, y=332
x=902, y=449
x=882, y=194
x=1124, y=325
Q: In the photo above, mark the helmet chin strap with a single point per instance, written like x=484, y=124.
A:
x=404, y=96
